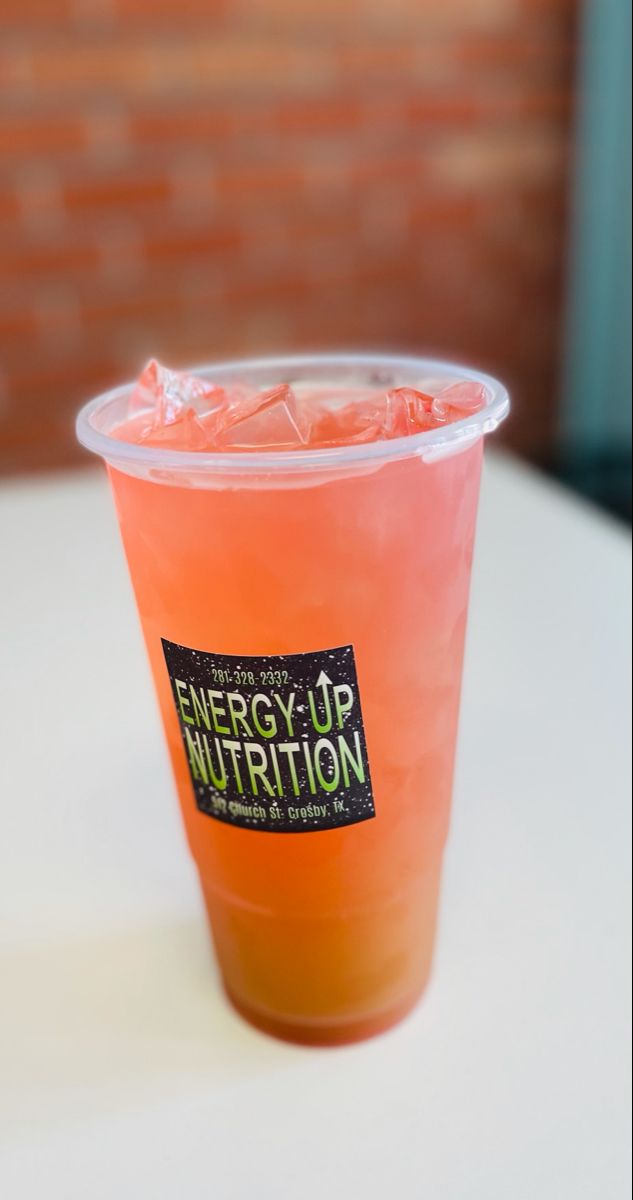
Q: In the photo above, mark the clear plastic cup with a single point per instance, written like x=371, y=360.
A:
x=304, y=613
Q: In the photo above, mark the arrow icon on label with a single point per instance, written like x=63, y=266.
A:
x=326, y=724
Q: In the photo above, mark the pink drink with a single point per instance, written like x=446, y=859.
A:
x=304, y=612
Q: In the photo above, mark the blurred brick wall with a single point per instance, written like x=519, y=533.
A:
x=197, y=178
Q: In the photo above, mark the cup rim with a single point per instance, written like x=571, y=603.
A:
x=428, y=444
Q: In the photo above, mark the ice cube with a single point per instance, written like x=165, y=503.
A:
x=439, y=411
x=186, y=432
x=179, y=411
x=347, y=424
x=409, y=411
x=463, y=398
x=397, y=413
x=370, y=433
x=372, y=416
x=264, y=420
x=170, y=395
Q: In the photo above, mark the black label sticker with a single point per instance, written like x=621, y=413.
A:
x=273, y=742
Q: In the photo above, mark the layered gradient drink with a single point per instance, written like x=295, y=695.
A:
x=299, y=534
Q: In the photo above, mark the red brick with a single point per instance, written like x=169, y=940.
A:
x=37, y=442
x=120, y=247
x=563, y=17
x=235, y=63
x=439, y=213
x=39, y=133
x=321, y=114
x=37, y=380
x=515, y=52
x=197, y=124
x=498, y=158
x=206, y=64
x=437, y=109
x=21, y=259
x=491, y=103
x=61, y=67
x=327, y=179
x=9, y=207
x=224, y=124
x=269, y=289
x=17, y=324
x=110, y=192
x=375, y=60
x=34, y=14
x=106, y=132
x=37, y=423
x=39, y=195
x=155, y=13
x=249, y=183
x=380, y=18
x=371, y=171
x=311, y=227
x=288, y=14
x=15, y=66
x=515, y=100
x=143, y=301
x=179, y=245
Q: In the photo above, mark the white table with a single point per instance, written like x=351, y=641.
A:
x=123, y=1073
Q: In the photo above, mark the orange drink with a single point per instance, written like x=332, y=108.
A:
x=299, y=534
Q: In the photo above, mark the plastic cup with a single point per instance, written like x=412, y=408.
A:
x=304, y=614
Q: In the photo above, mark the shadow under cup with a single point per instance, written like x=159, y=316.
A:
x=304, y=614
